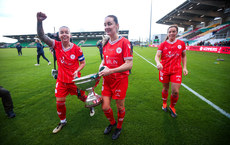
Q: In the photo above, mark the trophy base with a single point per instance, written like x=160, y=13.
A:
x=93, y=100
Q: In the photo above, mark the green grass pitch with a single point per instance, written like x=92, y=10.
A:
x=32, y=90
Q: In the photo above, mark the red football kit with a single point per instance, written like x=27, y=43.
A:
x=115, y=53
x=68, y=62
x=171, y=54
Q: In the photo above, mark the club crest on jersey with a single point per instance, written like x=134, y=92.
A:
x=179, y=46
x=118, y=50
x=72, y=56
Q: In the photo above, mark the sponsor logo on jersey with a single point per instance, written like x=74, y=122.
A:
x=118, y=50
x=178, y=78
x=111, y=61
x=72, y=56
x=117, y=93
x=179, y=46
x=161, y=78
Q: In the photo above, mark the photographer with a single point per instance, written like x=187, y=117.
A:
x=99, y=46
x=7, y=102
x=54, y=71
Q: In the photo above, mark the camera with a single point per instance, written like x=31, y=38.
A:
x=54, y=73
x=54, y=36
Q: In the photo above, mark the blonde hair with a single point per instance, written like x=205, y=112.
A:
x=64, y=27
x=38, y=40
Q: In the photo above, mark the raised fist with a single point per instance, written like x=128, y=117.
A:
x=41, y=16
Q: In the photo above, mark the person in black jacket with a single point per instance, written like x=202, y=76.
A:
x=7, y=102
x=100, y=47
x=19, y=48
x=40, y=52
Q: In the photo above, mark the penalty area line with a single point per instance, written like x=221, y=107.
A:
x=194, y=92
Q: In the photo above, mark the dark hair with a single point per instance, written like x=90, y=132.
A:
x=175, y=26
x=114, y=18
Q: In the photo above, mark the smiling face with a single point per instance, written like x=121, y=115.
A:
x=64, y=34
x=111, y=27
x=172, y=33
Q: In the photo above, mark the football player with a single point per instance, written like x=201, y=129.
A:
x=171, y=52
x=118, y=60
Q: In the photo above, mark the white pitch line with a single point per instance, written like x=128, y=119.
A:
x=195, y=93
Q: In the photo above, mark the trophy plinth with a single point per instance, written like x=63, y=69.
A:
x=88, y=83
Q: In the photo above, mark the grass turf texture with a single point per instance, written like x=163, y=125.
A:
x=32, y=90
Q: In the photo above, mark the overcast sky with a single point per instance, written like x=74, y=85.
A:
x=19, y=16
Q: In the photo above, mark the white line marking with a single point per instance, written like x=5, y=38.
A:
x=195, y=93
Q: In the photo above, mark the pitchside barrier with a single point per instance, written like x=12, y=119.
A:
x=213, y=49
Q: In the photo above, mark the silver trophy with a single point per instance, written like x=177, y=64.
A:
x=88, y=83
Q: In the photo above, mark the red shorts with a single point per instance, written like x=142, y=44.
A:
x=115, y=88
x=63, y=89
x=174, y=78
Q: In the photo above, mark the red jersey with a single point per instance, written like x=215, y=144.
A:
x=67, y=61
x=171, y=54
x=115, y=53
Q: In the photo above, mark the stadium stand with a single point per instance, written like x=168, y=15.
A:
x=209, y=34
x=203, y=21
x=89, y=38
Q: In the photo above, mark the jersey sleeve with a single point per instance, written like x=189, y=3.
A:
x=183, y=46
x=55, y=44
x=128, y=54
x=80, y=54
x=160, y=48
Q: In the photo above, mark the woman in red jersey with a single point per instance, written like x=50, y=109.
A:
x=71, y=61
x=118, y=60
x=172, y=52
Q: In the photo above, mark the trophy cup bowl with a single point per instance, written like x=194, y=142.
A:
x=88, y=83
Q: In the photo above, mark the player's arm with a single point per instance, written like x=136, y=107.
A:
x=81, y=66
x=41, y=17
x=184, y=62
x=157, y=59
x=124, y=67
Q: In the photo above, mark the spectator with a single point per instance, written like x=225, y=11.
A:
x=19, y=48
x=40, y=52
